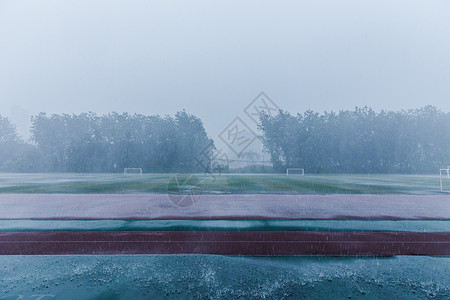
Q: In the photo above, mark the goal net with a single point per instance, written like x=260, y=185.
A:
x=132, y=171
x=295, y=171
x=443, y=174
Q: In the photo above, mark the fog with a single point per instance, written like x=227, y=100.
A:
x=213, y=58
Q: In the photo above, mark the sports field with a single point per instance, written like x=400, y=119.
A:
x=312, y=236
x=228, y=183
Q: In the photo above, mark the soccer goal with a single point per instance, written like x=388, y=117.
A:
x=295, y=171
x=132, y=171
x=442, y=175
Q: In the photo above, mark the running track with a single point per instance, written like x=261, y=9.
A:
x=357, y=242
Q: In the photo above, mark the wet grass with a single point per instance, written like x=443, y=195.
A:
x=229, y=183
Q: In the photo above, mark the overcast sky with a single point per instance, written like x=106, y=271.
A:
x=212, y=58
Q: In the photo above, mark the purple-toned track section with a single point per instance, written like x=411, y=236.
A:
x=247, y=206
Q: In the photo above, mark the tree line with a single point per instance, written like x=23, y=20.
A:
x=359, y=141
x=350, y=141
x=109, y=143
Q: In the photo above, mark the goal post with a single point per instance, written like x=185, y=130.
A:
x=442, y=174
x=295, y=171
x=132, y=171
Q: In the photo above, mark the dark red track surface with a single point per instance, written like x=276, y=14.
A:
x=227, y=243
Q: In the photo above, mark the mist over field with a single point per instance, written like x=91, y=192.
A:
x=213, y=58
x=251, y=149
x=155, y=58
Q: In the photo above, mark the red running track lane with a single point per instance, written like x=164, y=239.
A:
x=239, y=206
x=226, y=243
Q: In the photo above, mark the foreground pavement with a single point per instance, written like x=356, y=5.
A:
x=223, y=277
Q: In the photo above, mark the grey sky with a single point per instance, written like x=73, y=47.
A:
x=213, y=57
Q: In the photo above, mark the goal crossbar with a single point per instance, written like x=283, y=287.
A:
x=127, y=171
x=295, y=171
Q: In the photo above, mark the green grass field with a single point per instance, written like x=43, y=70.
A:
x=229, y=183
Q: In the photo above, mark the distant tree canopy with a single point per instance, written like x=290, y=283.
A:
x=109, y=143
x=112, y=142
x=359, y=141
x=7, y=131
x=14, y=153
